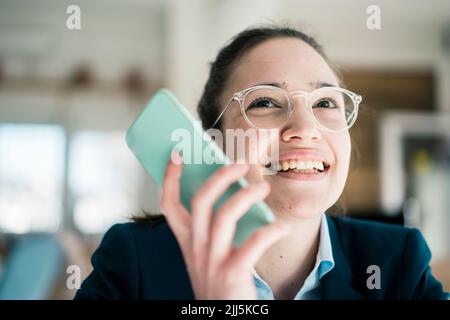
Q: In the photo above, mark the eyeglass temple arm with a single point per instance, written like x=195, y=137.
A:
x=223, y=111
x=355, y=97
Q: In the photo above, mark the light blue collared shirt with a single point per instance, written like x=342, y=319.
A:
x=311, y=287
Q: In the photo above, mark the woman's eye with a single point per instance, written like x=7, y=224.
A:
x=326, y=104
x=263, y=103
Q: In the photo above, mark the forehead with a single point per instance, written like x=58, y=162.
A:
x=284, y=60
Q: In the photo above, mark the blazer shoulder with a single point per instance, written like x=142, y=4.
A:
x=401, y=253
x=145, y=233
x=163, y=273
x=148, y=239
x=369, y=236
x=369, y=240
x=115, y=273
x=125, y=250
x=354, y=225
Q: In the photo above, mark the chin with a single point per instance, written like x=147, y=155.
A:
x=306, y=214
x=301, y=209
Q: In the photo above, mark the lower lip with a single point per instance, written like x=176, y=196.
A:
x=303, y=176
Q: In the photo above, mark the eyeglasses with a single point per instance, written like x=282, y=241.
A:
x=267, y=107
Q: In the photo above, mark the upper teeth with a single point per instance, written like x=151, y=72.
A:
x=298, y=164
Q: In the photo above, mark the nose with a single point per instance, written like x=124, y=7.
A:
x=301, y=125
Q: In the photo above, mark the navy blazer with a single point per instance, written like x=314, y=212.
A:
x=144, y=261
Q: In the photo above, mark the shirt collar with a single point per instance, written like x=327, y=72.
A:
x=325, y=253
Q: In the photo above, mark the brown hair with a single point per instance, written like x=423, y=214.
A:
x=209, y=106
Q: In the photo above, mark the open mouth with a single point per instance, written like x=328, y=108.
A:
x=299, y=166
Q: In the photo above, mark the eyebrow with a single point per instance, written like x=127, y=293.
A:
x=283, y=85
x=320, y=84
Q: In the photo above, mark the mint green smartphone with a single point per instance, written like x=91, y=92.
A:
x=165, y=124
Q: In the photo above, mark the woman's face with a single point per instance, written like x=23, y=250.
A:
x=298, y=66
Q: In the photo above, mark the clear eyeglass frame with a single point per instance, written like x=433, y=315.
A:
x=240, y=97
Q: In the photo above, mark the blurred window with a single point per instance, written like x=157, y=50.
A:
x=31, y=177
x=103, y=180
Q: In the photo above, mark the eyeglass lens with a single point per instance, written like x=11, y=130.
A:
x=270, y=108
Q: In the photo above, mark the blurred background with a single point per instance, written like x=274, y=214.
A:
x=68, y=96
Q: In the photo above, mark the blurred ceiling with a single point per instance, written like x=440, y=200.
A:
x=174, y=40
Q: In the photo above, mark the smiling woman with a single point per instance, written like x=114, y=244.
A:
x=264, y=78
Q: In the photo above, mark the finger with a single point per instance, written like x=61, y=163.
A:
x=225, y=221
x=176, y=214
x=251, y=251
x=203, y=202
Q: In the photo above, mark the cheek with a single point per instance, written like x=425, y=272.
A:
x=342, y=150
x=244, y=141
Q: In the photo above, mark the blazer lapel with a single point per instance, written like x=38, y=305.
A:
x=337, y=284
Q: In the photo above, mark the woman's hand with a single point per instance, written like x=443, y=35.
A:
x=216, y=269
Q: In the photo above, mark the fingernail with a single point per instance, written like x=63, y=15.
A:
x=175, y=157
